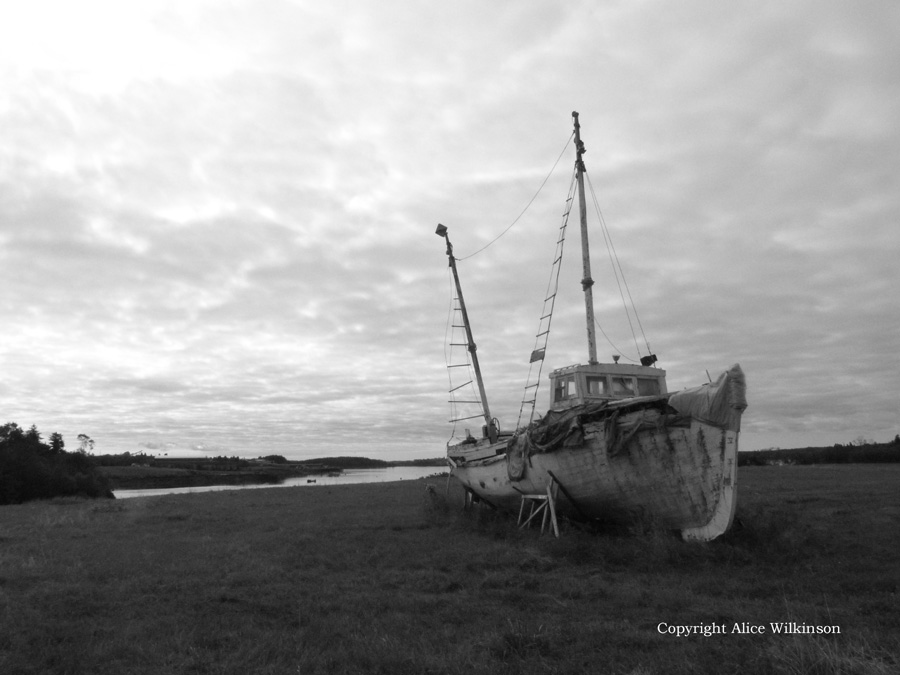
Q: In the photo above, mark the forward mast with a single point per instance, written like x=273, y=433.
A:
x=490, y=426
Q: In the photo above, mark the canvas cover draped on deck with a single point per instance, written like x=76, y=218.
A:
x=719, y=403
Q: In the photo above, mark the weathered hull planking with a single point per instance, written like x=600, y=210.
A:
x=646, y=460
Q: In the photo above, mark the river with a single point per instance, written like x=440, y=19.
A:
x=348, y=477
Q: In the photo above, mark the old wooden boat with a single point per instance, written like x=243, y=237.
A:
x=614, y=445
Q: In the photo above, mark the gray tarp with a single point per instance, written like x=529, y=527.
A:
x=720, y=403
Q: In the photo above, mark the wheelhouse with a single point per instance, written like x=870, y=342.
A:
x=579, y=384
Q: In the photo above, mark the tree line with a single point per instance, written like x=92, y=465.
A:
x=33, y=469
x=861, y=451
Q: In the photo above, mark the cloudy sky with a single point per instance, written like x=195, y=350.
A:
x=217, y=218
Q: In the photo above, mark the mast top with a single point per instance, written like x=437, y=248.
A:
x=586, y=281
x=579, y=145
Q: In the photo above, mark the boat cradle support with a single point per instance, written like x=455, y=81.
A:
x=543, y=505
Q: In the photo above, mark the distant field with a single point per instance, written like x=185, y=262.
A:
x=391, y=578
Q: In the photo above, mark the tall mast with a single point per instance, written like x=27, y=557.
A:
x=586, y=282
x=441, y=231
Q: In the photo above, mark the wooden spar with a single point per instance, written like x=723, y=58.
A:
x=441, y=231
x=587, y=282
x=568, y=496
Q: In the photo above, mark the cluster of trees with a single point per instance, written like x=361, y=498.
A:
x=32, y=469
x=345, y=462
x=220, y=463
x=275, y=459
x=124, y=459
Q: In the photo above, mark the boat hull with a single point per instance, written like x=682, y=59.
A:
x=643, y=461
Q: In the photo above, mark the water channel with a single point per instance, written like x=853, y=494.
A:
x=348, y=477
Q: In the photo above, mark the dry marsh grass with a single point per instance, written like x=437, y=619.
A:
x=391, y=578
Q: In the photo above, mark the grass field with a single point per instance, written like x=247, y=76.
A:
x=391, y=578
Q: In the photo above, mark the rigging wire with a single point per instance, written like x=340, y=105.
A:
x=527, y=206
x=449, y=331
x=549, y=297
x=618, y=271
x=618, y=351
x=447, y=340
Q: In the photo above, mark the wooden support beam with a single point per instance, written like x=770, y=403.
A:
x=551, y=507
x=568, y=496
x=543, y=505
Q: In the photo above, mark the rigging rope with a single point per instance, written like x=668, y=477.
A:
x=527, y=206
x=618, y=351
x=464, y=400
x=538, y=354
x=448, y=348
x=617, y=271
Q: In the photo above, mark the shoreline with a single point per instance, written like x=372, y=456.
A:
x=180, y=479
x=148, y=478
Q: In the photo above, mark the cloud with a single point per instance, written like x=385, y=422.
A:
x=224, y=236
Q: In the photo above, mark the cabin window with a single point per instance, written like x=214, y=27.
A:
x=565, y=388
x=597, y=386
x=622, y=386
x=648, y=386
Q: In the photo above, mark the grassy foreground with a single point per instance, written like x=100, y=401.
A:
x=391, y=578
